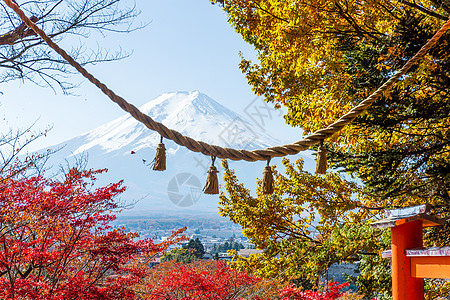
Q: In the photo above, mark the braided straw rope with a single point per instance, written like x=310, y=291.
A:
x=233, y=154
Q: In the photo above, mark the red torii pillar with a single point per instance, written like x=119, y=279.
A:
x=406, y=233
x=405, y=236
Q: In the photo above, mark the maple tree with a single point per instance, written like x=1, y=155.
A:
x=198, y=280
x=56, y=241
x=333, y=292
x=319, y=59
x=215, y=280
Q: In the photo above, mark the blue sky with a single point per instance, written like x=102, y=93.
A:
x=187, y=45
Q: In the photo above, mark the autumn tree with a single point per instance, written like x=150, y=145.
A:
x=319, y=59
x=198, y=280
x=26, y=57
x=56, y=241
x=215, y=280
x=307, y=225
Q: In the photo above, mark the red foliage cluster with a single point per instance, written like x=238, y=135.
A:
x=55, y=241
x=215, y=280
x=333, y=292
x=194, y=281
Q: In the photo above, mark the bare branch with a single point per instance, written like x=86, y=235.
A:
x=24, y=56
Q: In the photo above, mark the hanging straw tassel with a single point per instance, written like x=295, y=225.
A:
x=267, y=181
x=321, y=162
x=212, y=183
x=159, y=163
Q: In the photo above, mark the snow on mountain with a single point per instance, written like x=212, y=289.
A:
x=191, y=113
x=179, y=187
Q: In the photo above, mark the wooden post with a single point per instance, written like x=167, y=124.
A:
x=405, y=236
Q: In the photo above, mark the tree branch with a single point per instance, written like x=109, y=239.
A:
x=426, y=11
x=17, y=34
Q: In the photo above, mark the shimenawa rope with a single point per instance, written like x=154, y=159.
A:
x=228, y=153
x=215, y=151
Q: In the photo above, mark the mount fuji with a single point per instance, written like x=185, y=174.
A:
x=126, y=148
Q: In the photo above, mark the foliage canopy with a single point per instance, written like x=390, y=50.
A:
x=319, y=59
x=56, y=241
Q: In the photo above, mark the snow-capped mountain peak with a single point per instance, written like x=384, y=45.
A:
x=191, y=113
